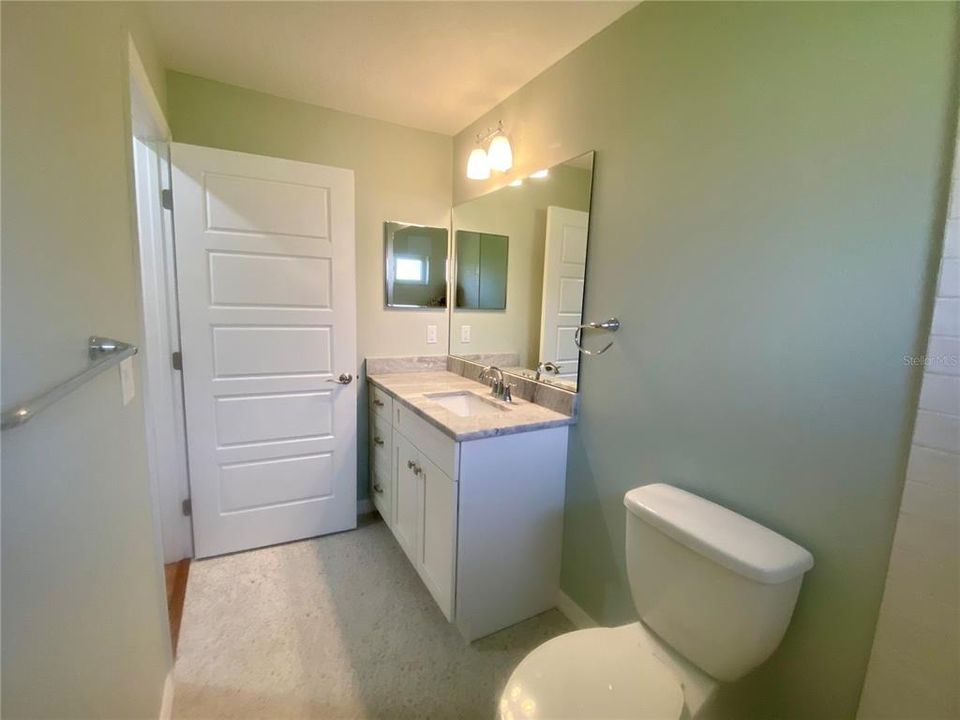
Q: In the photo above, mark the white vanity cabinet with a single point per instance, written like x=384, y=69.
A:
x=479, y=519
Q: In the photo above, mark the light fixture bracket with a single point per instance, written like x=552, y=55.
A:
x=490, y=133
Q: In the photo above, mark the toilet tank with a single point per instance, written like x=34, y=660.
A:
x=717, y=587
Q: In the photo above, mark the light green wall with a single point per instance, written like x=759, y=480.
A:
x=520, y=214
x=768, y=204
x=401, y=174
x=84, y=613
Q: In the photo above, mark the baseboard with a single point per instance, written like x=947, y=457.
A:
x=575, y=614
x=166, y=702
x=365, y=507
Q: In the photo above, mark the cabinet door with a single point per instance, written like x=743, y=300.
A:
x=436, y=562
x=407, y=498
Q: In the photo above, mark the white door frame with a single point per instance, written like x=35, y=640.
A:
x=162, y=385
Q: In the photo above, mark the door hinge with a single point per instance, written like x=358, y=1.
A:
x=166, y=199
x=187, y=507
x=177, y=359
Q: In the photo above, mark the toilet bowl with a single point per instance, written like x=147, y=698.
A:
x=622, y=672
x=714, y=592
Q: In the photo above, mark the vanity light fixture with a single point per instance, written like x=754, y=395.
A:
x=478, y=164
x=498, y=156
x=540, y=174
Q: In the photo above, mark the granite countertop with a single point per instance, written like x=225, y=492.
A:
x=519, y=416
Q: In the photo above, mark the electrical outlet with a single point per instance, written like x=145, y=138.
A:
x=464, y=333
x=431, y=334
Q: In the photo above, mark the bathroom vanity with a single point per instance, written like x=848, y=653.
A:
x=472, y=486
x=473, y=490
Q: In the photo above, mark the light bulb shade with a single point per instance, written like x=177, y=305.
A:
x=500, y=155
x=478, y=165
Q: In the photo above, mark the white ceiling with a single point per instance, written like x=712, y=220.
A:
x=431, y=65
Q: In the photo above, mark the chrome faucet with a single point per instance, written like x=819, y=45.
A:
x=496, y=387
x=547, y=366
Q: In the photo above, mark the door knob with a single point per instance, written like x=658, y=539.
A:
x=344, y=379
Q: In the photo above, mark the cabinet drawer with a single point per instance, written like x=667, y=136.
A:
x=440, y=448
x=381, y=444
x=381, y=491
x=381, y=402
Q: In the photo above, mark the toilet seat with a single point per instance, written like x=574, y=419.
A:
x=597, y=674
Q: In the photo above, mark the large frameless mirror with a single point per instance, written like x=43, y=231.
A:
x=416, y=265
x=519, y=265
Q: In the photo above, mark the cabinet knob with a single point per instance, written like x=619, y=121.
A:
x=378, y=488
x=378, y=441
x=417, y=470
x=411, y=464
x=378, y=403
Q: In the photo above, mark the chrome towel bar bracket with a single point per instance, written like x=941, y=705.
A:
x=611, y=325
x=103, y=352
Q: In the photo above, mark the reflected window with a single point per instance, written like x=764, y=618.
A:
x=414, y=270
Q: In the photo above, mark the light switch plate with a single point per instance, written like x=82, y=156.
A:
x=464, y=333
x=127, y=386
x=431, y=334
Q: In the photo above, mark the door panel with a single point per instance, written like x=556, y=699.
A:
x=265, y=280
x=265, y=271
x=564, y=263
x=407, y=499
x=438, y=545
x=280, y=416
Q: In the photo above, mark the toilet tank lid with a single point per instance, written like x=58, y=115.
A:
x=731, y=540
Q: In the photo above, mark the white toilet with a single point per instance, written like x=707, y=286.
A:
x=714, y=592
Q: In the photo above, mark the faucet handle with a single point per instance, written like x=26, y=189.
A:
x=507, y=394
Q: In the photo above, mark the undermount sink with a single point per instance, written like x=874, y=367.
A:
x=466, y=404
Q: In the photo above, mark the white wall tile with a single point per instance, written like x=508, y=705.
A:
x=950, y=241
x=933, y=467
x=935, y=503
x=946, y=317
x=940, y=393
x=949, y=285
x=934, y=430
x=943, y=355
x=921, y=536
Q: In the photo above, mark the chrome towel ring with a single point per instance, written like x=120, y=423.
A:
x=611, y=325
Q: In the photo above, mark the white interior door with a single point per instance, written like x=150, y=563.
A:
x=564, y=262
x=265, y=279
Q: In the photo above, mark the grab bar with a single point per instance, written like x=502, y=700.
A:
x=104, y=354
x=611, y=325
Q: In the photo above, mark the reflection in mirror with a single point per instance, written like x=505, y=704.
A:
x=416, y=265
x=535, y=273
x=481, y=270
